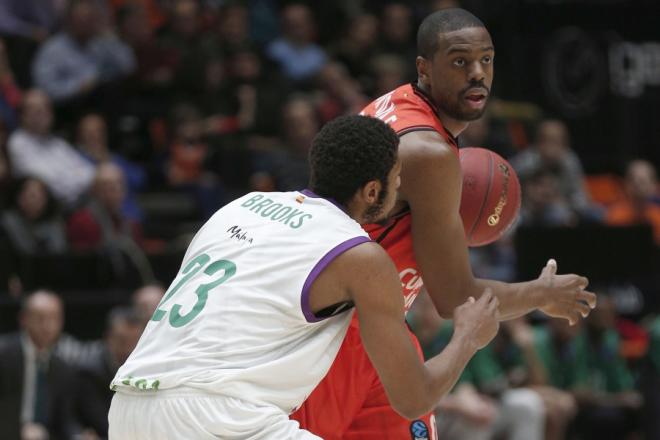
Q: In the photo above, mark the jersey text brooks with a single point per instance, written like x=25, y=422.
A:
x=277, y=212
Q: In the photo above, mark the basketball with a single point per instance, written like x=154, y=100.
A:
x=490, y=201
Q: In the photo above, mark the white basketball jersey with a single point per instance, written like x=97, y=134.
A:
x=236, y=319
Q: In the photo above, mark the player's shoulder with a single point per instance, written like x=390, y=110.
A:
x=427, y=147
x=367, y=254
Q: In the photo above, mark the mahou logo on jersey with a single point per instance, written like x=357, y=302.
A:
x=412, y=283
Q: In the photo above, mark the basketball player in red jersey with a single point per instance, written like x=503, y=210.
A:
x=425, y=233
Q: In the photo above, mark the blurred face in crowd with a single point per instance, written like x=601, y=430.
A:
x=552, y=141
x=389, y=71
x=42, y=319
x=122, y=338
x=641, y=180
x=92, y=136
x=84, y=20
x=109, y=187
x=246, y=66
x=301, y=124
x=396, y=24
x=37, y=114
x=185, y=18
x=602, y=317
x=146, y=299
x=135, y=27
x=459, y=75
x=363, y=31
x=233, y=25
x=562, y=331
x=542, y=190
x=336, y=81
x=32, y=199
x=298, y=24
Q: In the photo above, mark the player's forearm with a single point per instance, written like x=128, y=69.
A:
x=516, y=299
x=444, y=369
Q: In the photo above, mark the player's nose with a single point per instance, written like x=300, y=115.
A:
x=476, y=72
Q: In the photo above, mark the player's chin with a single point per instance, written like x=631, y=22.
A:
x=469, y=114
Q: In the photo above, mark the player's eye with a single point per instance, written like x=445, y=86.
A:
x=459, y=62
x=487, y=59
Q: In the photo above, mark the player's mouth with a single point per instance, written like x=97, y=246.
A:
x=476, y=98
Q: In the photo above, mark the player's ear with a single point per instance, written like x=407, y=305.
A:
x=423, y=66
x=371, y=191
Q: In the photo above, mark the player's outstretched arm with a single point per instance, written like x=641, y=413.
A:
x=431, y=183
x=413, y=388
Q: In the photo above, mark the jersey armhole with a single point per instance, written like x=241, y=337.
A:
x=415, y=128
x=318, y=268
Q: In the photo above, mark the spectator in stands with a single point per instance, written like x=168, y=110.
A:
x=640, y=206
x=155, y=65
x=295, y=52
x=397, y=35
x=101, y=227
x=357, y=46
x=32, y=224
x=340, y=94
x=35, y=384
x=92, y=141
x=389, y=72
x=10, y=93
x=25, y=24
x=182, y=37
x=5, y=172
x=35, y=151
x=232, y=29
x=185, y=168
x=485, y=385
x=93, y=395
x=78, y=60
x=543, y=203
x=587, y=363
x=553, y=155
x=288, y=167
x=146, y=299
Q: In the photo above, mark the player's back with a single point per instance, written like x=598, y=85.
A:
x=236, y=319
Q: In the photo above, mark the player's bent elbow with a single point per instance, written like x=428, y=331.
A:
x=413, y=407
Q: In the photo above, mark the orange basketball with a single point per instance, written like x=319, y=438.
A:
x=491, y=195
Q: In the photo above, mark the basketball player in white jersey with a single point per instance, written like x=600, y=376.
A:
x=263, y=299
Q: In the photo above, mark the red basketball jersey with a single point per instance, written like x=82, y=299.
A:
x=405, y=109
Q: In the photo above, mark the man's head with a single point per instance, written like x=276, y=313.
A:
x=123, y=332
x=93, y=136
x=300, y=122
x=42, y=318
x=552, y=140
x=36, y=113
x=110, y=186
x=354, y=161
x=298, y=24
x=83, y=19
x=455, y=64
x=185, y=18
x=641, y=181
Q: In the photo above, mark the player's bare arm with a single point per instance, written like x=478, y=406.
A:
x=431, y=185
x=372, y=283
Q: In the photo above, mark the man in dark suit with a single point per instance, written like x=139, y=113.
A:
x=93, y=394
x=35, y=384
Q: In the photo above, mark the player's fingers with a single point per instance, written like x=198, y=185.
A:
x=581, y=282
x=486, y=297
x=589, y=297
x=493, y=305
x=550, y=268
x=583, y=309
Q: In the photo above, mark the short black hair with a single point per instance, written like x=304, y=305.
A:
x=347, y=153
x=441, y=22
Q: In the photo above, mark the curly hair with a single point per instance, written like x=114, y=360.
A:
x=347, y=153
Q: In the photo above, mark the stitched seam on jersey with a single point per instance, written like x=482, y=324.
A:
x=416, y=128
x=328, y=258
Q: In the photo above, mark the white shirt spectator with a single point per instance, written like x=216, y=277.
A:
x=53, y=161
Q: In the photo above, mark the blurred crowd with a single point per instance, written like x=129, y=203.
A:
x=124, y=124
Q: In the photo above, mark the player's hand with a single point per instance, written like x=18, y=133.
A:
x=563, y=296
x=478, y=321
